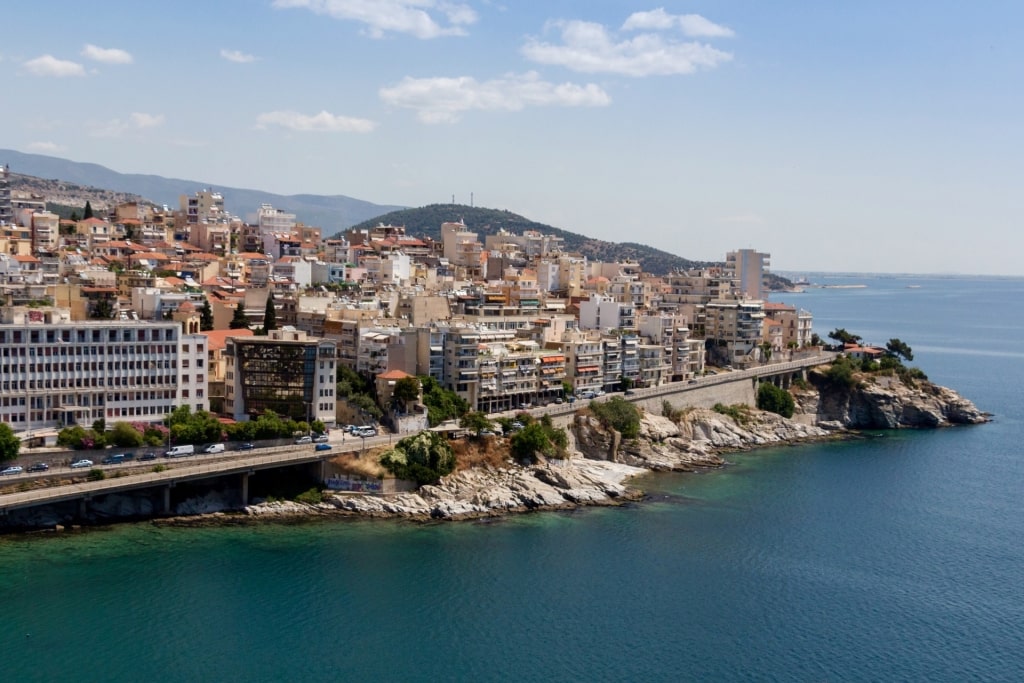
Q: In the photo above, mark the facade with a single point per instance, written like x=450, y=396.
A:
x=734, y=331
x=57, y=372
x=747, y=268
x=6, y=210
x=285, y=372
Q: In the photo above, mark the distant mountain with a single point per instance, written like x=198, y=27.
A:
x=426, y=222
x=332, y=213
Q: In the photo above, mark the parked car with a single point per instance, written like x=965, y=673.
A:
x=113, y=459
x=245, y=447
x=692, y=381
x=38, y=467
x=13, y=469
x=321, y=438
x=559, y=400
x=78, y=464
x=148, y=455
x=629, y=392
x=304, y=439
x=322, y=447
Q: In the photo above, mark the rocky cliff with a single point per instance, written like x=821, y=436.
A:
x=695, y=441
x=883, y=402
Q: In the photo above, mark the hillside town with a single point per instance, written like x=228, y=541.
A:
x=135, y=310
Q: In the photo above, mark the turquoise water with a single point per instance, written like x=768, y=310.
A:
x=894, y=558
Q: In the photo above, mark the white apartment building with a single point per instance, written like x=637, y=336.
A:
x=604, y=313
x=193, y=377
x=748, y=268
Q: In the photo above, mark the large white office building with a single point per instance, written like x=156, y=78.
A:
x=55, y=372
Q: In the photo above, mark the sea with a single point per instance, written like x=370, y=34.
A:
x=898, y=556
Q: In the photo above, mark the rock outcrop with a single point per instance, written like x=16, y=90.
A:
x=483, y=492
x=695, y=442
x=885, y=402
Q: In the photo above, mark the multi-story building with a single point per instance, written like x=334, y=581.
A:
x=6, y=210
x=206, y=206
x=285, y=372
x=58, y=372
x=797, y=324
x=604, y=313
x=748, y=268
x=733, y=328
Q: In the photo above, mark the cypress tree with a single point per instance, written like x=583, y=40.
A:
x=206, y=317
x=270, y=314
x=239, y=321
x=88, y=210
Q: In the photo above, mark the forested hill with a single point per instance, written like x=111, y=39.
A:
x=426, y=222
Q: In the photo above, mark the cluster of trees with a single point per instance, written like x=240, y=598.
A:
x=123, y=434
x=442, y=404
x=618, y=414
x=358, y=391
x=423, y=458
x=183, y=427
x=538, y=438
x=240, y=321
x=842, y=371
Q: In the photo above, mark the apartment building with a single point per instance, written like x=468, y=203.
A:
x=747, y=268
x=734, y=330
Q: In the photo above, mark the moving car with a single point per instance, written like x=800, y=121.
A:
x=322, y=447
x=78, y=464
x=13, y=469
x=214, y=448
x=304, y=439
x=245, y=447
x=113, y=459
x=38, y=467
x=180, y=451
x=148, y=455
x=629, y=392
x=321, y=438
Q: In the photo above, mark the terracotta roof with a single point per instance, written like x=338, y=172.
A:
x=26, y=259
x=393, y=374
x=217, y=339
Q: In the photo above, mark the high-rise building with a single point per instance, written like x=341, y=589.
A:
x=6, y=209
x=748, y=268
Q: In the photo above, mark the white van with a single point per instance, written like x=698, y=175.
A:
x=214, y=448
x=180, y=451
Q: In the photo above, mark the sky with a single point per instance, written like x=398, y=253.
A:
x=863, y=136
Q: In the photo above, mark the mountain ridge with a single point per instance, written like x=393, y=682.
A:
x=329, y=212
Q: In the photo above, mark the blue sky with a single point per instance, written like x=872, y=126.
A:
x=867, y=136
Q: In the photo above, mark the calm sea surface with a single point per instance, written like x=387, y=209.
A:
x=894, y=558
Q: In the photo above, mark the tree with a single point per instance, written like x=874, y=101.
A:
x=766, y=351
x=87, y=214
x=205, y=316
x=897, y=348
x=843, y=337
x=476, y=422
x=775, y=400
x=102, y=309
x=407, y=390
x=619, y=414
x=423, y=458
x=10, y=444
x=239, y=321
x=270, y=315
x=123, y=434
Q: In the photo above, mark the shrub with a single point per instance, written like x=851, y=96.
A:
x=538, y=438
x=670, y=411
x=737, y=411
x=775, y=400
x=159, y=468
x=311, y=497
x=96, y=475
x=618, y=414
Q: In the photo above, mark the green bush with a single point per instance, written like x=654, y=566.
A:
x=775, y=400
x=423, y=458
x=618, y=414
x=311, y=497
x=538, y=438
x=737, y=411
x=96, y=475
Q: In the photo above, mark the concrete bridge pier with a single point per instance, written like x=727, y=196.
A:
x=83, y=507
x=166, y=507
x=245, y=487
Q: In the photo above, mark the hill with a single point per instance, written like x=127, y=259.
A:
x=332, y=213
x=426, y=221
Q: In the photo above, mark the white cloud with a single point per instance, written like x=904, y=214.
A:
x=442, y=100
x=237, y=56
x=324, y=122
x=692, y=25
x=420, y=18
x=45, y=147
x=48, y=65
x=137, y=121
x=589, y=48
x=106, y=55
